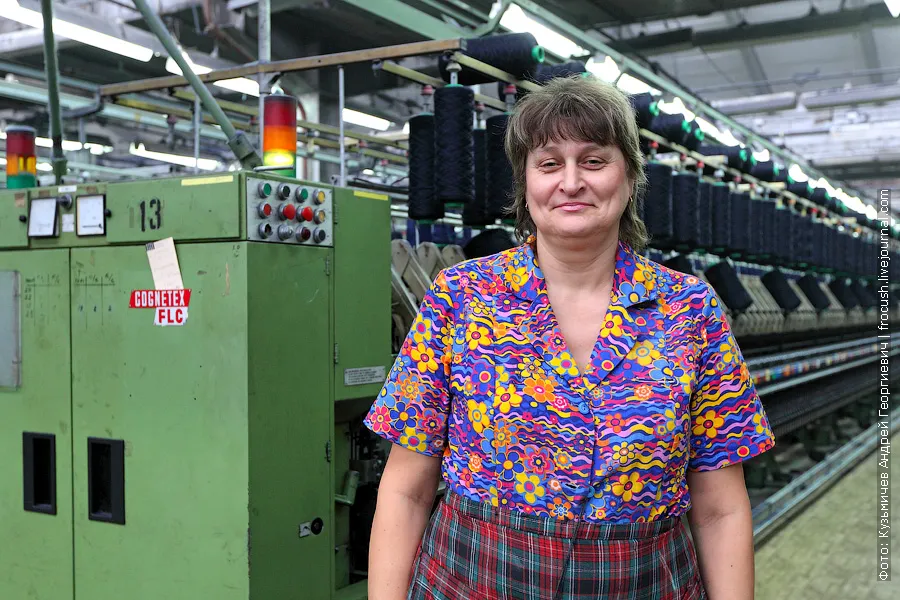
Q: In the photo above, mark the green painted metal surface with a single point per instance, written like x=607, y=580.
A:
x=290, y=421
x=13, y=232
x=36, y=550
x=177, y=397
x=232, y=455
x=190, y=208
x=362, y=293
x=407, y=16
x=342, y=559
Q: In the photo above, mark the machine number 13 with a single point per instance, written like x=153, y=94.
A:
x=151, y=215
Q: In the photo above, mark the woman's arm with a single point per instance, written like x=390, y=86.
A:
x=722, y=528
x=405, y=498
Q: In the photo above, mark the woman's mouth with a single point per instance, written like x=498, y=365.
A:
x=573, y=206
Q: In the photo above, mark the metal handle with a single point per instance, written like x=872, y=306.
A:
x=106, y=480
x=39, y=472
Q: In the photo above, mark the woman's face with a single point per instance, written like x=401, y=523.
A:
x=576, y=189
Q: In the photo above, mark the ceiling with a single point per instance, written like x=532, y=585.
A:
x=818, y=77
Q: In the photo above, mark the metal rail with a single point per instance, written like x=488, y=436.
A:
x=289, y=65
x=775, y=511
x=795, y=381
x=761, y=361
x=393, y=68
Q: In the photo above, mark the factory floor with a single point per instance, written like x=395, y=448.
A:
x=829, y=551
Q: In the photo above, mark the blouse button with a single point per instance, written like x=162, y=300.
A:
x=597, y=392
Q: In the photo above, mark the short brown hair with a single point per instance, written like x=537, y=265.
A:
x=581, y=108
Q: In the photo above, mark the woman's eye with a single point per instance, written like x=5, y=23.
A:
x=594, y=162
x=548, y=164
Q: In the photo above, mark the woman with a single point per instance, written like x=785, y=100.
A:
x=577, y=398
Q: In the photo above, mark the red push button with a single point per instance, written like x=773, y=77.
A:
x=264, y=209
x=306, y=214
x=287, y=211
x=303, y=234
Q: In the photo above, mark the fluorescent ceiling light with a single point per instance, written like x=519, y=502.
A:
x=633, y=85
x=762, y=156
x=607, y=70
x=206, y=164
x=72, y=146
x=852, y=202
x=871, y=212
x=894, y=7
x=517, y=21
x=241, y=85
x=364, y=120
x=64, y=29
x=797, y=173
x=707, y=127
x=728, y=138
x=44, y=167
x=713, y=132
x=823, y=183
x=675, y=107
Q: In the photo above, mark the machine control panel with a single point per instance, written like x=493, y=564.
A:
x=289, y=213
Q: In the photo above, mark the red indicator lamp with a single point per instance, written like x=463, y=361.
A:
x=21, y=157
x=280, y=134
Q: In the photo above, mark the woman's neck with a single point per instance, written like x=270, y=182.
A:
x=575, y=265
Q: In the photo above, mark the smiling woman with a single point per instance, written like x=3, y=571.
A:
x=594, y=125
x=578, y=399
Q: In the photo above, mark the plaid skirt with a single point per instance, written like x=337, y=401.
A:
x=474, y=551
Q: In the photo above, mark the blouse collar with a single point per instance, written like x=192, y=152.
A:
x=634, y=280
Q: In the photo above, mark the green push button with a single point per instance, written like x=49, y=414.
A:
x=302, y=194
x=265, y=189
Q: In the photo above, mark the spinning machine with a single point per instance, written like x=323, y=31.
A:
x=185, y=362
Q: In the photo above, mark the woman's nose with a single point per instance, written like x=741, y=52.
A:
x=571, y=182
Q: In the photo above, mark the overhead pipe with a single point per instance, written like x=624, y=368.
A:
x=58, y=159
x=264, y=42
x=237, y=140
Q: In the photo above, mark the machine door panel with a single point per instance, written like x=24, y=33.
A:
x=291, y=370
x=35, y=426
x=160, y=427
x=13, y=207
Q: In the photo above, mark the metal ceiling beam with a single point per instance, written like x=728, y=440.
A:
x=810, y=26
x=411, y=18
x=751, y=105
x=24, y=41
x=33, y=95
x=870, y=53
x=750, y=57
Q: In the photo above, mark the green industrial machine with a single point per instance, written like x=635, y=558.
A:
x=184, y=367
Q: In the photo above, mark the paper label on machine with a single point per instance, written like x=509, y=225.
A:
x=171, y=317
x=364, y=375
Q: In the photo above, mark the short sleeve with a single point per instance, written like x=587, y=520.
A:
x=413, y=407
x=728, y=422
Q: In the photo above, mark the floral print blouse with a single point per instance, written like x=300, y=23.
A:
x=484, y=379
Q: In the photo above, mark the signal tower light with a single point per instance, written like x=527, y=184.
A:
x=280, y=134
x=21, y=157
